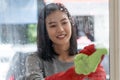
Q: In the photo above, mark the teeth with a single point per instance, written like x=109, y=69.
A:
x=61, y=36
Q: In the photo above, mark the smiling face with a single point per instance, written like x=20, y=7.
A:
x=58, y=27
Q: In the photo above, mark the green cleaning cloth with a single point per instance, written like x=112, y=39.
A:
x=85, y=64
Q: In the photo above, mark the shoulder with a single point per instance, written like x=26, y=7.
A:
x=34, y=55
x=33, y=58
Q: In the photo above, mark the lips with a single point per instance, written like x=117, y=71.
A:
x=61, y=36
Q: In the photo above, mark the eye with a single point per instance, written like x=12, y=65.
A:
x=52, y=26
x=64, y=23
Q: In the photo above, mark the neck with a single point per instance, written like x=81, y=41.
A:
x=61, y=49
x=66, y=58
x=63, y=52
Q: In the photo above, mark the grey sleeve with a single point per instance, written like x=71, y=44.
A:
x=33, y=68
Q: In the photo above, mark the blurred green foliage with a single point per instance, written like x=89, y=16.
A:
x=32, y=33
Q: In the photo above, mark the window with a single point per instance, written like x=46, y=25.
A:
x=14, y=25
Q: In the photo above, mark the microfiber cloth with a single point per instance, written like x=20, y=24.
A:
x=85, y=64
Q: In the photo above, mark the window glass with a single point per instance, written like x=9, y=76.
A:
x=18, y=25
x=18, y=20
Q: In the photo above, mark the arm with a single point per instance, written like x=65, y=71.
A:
x=33, y=68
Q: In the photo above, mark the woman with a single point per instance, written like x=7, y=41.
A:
x=57, y=46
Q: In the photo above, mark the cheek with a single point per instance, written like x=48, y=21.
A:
x=69, y=29
x=51, y=34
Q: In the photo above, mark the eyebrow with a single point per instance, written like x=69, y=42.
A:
x=51, y=22
x=60, y=21
x=63, y=19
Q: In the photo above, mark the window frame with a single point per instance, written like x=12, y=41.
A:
x=114, y=39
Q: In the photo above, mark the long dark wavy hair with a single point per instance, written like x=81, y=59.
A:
x=44, y=44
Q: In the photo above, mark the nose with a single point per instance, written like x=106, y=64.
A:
x=60, y=29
